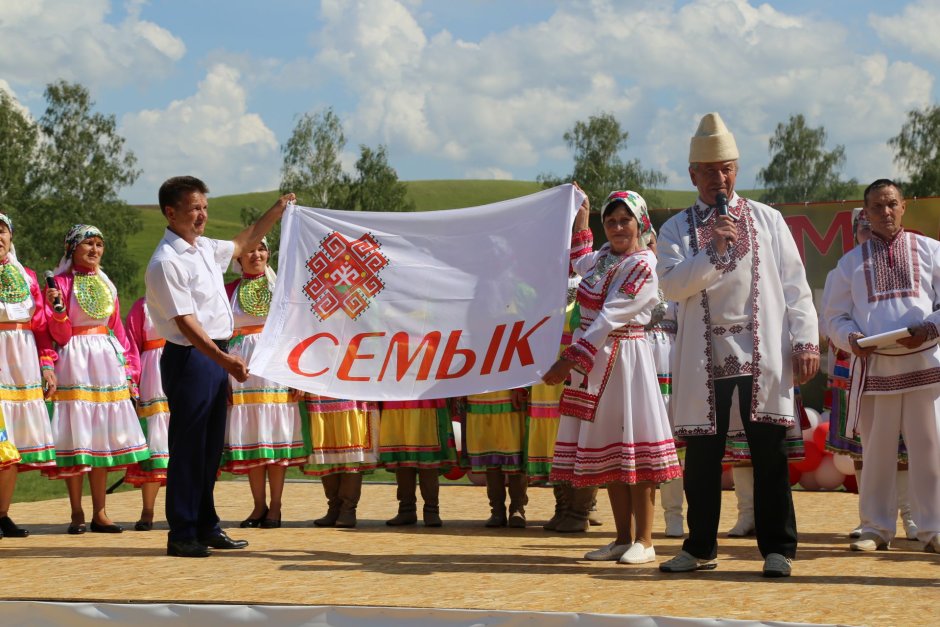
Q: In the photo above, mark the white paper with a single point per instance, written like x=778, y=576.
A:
x=884, y=339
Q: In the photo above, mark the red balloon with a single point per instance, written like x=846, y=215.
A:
x=794, y=475
x=851, y=485
x=820, y=435
x=812, y=458
x=455, y=473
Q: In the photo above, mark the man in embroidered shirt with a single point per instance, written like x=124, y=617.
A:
x=746, y=327
x=892, y=282
x=189, y=307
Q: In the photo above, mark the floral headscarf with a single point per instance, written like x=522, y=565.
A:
x=637, y=206
x=859, y=217
x=76, y=235
x=6, y=220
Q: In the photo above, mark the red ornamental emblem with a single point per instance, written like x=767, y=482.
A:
x=344, y=275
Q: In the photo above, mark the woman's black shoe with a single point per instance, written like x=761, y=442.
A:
x=270, y=523
x=76, y=529
x=254, y=522
x=112, y=528
x=11, y=530
x=143, y=525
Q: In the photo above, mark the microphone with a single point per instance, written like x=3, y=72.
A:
x=50, y=283
x=721, y=203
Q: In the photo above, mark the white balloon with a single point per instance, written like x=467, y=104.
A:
x=824, y=417
x=457, y=438
x=813, y=417
x=827, y=475
x=844, y=463
x=808, y=481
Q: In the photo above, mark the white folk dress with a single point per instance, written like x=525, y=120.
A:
x=614, y=426
x=21, y=395
x=152, y=408
x=94, y=422
x=264, y=425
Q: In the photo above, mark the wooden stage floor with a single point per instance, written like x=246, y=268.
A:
x=464, y=565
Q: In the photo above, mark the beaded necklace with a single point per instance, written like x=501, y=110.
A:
x=93, y=295
x=254, y=296
x=603, y=266
x=13, y=286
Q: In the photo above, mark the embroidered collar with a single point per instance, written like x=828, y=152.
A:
x=891, y=242
x=703, y=212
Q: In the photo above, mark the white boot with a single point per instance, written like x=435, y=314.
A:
x=670, y=494
x=744, y=490
x=904, y=507
x=857, y=532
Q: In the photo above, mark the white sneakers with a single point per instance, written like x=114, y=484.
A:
x=638, y=554
x=634, y=553
x=610, y=553
x=869, y=542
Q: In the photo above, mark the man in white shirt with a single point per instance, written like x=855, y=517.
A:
x=188, y=304
x=892, y=282
x=747, y=329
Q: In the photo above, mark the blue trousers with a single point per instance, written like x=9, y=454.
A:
x=197, y=393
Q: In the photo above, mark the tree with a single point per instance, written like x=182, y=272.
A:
x=312, y=167
x=801, y=170
x=19, y=151
x=74, y=176
x=916, y=150
x=598, y=168
x=376, y=187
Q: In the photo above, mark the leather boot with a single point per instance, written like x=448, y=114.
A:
x=594, y=518
x=744, y=490
x=561, y=506
x=496, y=492
x=576, y=518
x=350, y=488
x=407, y=479
x=430, y=483
x=331, y=489
x=518, y=499
x=670, y=494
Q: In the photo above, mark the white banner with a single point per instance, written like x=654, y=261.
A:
x=401, y=306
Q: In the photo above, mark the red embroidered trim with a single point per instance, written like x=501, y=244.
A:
x=902, y=381
x=892, y=269
x=581, y=353
x=806, y=348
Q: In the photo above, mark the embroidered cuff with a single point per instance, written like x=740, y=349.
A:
x=932, y=333
x=47, y=367
x=61, y=317
x=805, y=348
x=582, y=354
x=581, y=243
x=46, y=361
x=719, y=261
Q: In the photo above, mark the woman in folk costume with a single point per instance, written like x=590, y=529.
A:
x=153, y=411
x=27, y=372
x=661, y=334
x=495, y=444
x=9, y=460
x=264, y=433
x=344, y=441
x=416, y=442
x=839, y=439
x=614, y=427
x=94, y=423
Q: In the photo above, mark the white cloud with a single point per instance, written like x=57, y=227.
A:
x=209, y=134
x=45, y=40
x=914, y=28
x=495, y=174
x=5, y=86
x=503, y=102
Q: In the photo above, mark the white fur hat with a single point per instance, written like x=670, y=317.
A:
x=712, y=142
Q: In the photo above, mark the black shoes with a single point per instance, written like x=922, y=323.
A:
x=187, y=548
x=9, y=529
x=112, y=528
x=253, y=523
x=143, y=525
x=222, y=541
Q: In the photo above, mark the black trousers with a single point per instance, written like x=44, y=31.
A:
x=197, y=392
x=773, y=503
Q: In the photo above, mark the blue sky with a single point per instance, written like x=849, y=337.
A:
x=473, y=89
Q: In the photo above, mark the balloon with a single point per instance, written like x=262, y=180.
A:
x=812, y=457
x=821, y=434
x=844, y=463
x=808, y=481
x=794, y=475
x=457, y=438
x=827, y=475
x=727, y=479
x=851, y=484
x=477, y=478
x=813, y=416
x=455, y=473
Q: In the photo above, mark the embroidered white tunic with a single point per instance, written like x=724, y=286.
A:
x=744, y=314
x=881, y=286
